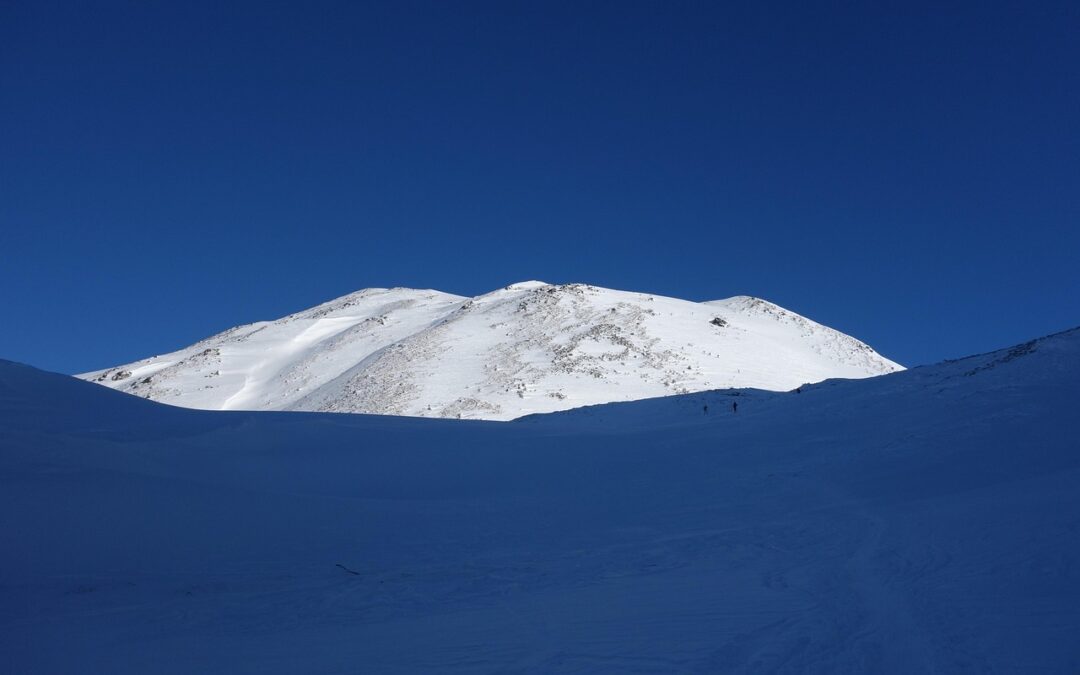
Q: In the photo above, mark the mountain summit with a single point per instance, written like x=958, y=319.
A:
x=527, y=348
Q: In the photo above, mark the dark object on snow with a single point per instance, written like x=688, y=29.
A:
x=717, y=321
x=706, y=409
x=734, y=406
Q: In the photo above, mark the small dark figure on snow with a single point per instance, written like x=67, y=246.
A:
x=734, y=406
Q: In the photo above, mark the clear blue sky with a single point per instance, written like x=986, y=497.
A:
x=908, y=173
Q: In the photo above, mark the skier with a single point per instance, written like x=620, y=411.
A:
x=734, y=406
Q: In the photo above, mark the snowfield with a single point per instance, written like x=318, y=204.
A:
x=926, y=521
x=527, y=348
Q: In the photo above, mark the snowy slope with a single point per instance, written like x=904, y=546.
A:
x=527, y=348
x=920, y=522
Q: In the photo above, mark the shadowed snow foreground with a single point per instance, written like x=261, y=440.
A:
x=926, y=521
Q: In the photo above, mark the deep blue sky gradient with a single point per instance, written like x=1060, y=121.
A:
x=905, y=172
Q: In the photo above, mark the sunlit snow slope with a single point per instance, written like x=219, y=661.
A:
x=527, y=348
x=922, y=522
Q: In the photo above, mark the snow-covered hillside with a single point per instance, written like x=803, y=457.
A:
x=920, y=522
x=527, y=348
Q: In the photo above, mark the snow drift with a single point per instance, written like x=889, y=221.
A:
x=924, y=521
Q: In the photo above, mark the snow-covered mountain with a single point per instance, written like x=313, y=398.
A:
x=920, y=522
x=527, y=348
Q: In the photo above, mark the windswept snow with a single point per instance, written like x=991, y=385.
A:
x=530, y=347
x=921, y=522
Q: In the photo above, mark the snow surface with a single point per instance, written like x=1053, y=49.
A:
x=527, y=348
x=922, y=522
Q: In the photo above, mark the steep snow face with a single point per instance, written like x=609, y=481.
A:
x=528, y=348
x=269, y=365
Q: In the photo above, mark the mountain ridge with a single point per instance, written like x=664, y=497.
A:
x=526, y=348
